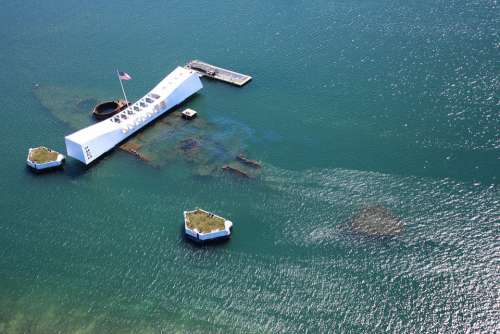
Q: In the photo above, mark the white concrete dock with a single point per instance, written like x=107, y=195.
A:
x=91, y=142
x=218, y=73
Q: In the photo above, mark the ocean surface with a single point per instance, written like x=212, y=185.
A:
x=354, y=104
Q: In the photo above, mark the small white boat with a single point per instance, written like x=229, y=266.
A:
x=202, y=226
x=41, y=158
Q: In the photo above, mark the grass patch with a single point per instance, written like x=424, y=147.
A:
x=41, y=155
x=204, y=222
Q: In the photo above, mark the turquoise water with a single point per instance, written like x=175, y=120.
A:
x=360, y=103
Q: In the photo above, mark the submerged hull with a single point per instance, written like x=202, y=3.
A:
x=90, y=143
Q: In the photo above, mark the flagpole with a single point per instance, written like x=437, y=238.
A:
x=121, y=84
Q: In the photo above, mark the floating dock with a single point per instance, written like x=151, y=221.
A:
x=218, y=73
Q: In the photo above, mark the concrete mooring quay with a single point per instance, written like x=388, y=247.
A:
x=214, y=72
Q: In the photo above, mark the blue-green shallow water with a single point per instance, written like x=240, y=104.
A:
x=357, y=103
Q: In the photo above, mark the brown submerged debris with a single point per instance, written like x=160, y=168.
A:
x=377, y=221
x=189, y=149
x=246, y=161
x=133, y=148
x=235, y=171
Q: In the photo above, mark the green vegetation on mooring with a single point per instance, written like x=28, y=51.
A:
x=204, y=222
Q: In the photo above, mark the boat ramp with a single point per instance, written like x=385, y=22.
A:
x=218, y=73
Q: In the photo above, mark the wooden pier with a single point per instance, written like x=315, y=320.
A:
x=218, y=73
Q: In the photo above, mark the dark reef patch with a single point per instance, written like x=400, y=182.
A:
x=377, y=221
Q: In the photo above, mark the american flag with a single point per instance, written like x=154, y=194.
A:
x=124, y=76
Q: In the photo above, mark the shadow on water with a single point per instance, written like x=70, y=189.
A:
x=75, y=169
